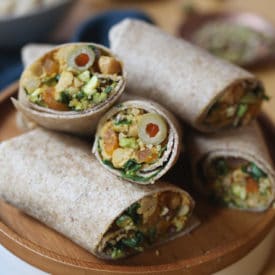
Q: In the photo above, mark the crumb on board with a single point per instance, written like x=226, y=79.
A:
x=157, y=252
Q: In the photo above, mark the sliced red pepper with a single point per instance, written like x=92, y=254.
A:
x=152, y=129
x=251, y=186
x=82, y=59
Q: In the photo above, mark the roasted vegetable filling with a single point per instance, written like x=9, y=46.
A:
x=134, y=142
x=73, y=78
x=148, y=221
x=236, y=107
x=238, y=183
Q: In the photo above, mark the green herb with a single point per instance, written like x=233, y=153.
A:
x=65, y=97
x=108, y=163
x=117, y=253
x=57, y=77
x=134, y=241
x=249, y=98
x=221, y=167
x=80, y=95
x=51, y=80
x=162, y=150
x=254, y=171
x=26, y=91
x=242, y=108
x=131, y=167
x=132, y=212
x=108, y=89
x=124, y=221
x=138, y=178
x=124, y=121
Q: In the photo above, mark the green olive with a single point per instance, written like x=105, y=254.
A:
x=81, y=58
x=152, y=129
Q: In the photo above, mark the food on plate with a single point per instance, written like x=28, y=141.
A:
x=234, y=168
x=54, y=178
x=208, y=93
x=70, y=87
x=234, y=42
x=138, y=140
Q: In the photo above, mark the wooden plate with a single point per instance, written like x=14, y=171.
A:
x=223, y=237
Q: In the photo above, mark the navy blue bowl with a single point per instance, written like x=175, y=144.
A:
x=96, y=29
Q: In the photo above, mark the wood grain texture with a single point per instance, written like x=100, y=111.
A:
x=223, y=238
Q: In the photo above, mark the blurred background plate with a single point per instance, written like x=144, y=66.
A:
x=17, y=30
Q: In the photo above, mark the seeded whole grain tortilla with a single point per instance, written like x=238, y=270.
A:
x=54, y=178
x=79, y=123
x=246, y=143
x=182, y=77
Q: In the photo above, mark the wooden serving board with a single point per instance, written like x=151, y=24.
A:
x=224, y=236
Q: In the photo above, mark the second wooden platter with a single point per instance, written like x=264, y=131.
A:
x=223, y=237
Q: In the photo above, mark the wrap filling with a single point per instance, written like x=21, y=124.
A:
x=135, y=143
x=237, y=106
x=151, y=220
x=72, y=78
x=238, y=183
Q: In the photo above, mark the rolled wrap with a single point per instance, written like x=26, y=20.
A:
x=54, y=178
x=244, y=144
x=75, y=122
x=181, y=76
x=164, y=162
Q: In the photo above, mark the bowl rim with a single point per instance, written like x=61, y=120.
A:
x=35, y=12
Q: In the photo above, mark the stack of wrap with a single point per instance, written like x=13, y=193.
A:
x=80, y=123
x=246, y=143
x=54, y=178
x=182, y=77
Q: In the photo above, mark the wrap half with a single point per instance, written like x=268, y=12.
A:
x=138, y=140
x=69, y=87
x=234, y=168
x=206, y=92
x=54, y=178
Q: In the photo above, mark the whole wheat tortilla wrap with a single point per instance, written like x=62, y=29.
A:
x=234, y=168
x=54, y=178
x=206, y=92
x=138, y=140
x=69, y=87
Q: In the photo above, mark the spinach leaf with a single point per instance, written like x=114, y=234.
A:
x=132, y=212
x=242, y=108
x=131, y=167
x=108, y=89
x=80, y=95
x=123, y=122
x=65, y=97
x=221, y=167
x=135, y=240
x=123, y=221
x=254, y=171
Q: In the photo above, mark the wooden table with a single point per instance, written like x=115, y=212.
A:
x=168, y=14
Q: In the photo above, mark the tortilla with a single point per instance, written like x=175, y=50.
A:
x=76, y=121
x=149, y=160
x=244, y=145
x=54, y=178
x=204, y=91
